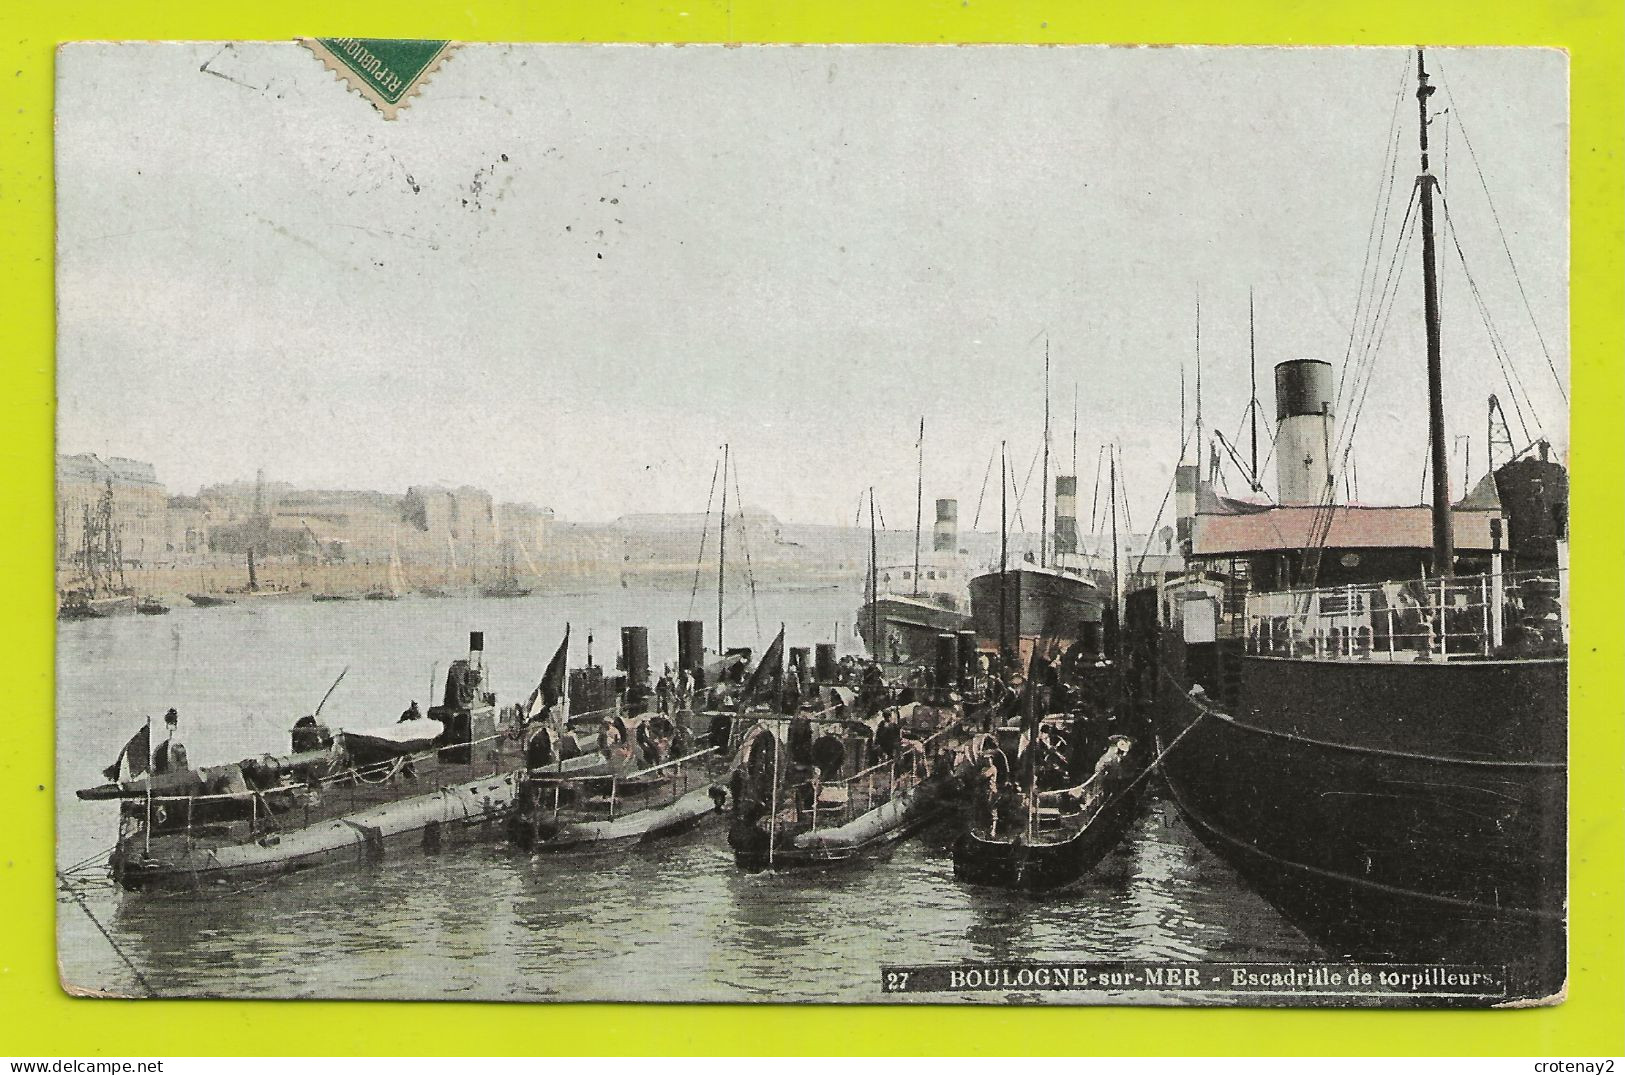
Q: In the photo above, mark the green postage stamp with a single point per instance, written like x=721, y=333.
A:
x=389, y=72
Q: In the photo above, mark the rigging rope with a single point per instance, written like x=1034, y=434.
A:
x=1166, y=493
x=1497, y=343
x=1128, y=516
x=744, y=541
x=1360, y=385
x=705, y=530
x=1094, y=500
x=79, y=898
x=1026, y=483
x=1375, y=237
x=980, y=493
x=1472, y=155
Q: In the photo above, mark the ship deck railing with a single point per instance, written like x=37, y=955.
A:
x=827, y=804
x=676, y=778
x=338, y=794
x=1428, y=619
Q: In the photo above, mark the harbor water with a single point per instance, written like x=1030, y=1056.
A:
x=670, y=922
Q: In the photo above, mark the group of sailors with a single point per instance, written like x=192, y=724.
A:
x=675, y=693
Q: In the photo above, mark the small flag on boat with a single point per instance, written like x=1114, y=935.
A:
x=766, y=678
x=551, y=689
x=138, y=751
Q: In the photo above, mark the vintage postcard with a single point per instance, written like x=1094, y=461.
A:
x=841, y=524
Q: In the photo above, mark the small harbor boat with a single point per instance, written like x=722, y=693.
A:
x=151, y=606
x=824, y=786
x=1053, y=794
x=97, y=589
x=656, y=774
x=564, y=808
x=507, y=583
x=393, y=585
x=795, y=808
x=339, y=797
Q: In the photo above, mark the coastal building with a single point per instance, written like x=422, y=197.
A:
x=140, y=505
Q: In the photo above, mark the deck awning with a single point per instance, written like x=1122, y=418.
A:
x=1353, y=527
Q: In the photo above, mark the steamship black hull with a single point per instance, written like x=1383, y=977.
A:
x=1036, y=604
x=914, y=623
x=1393, y=812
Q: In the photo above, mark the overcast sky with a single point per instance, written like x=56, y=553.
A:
x=569, y=274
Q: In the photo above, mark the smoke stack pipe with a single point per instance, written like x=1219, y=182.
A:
x=635, y=655
x=945, y=534
x=824, y=656
x=1186, y=476
x=1304, y=430
x=967, y=657
x=947, y=664
x=690, y=646
x=1066, y=514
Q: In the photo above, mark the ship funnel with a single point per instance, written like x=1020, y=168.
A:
x=1066, y=514
x=635, y=654
x=1186, y=477
x=1303, y=430
x=635, y=667
x=824, y=657
x=945, y=534
x=691, y=647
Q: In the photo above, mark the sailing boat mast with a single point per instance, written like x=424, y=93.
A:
x=1043, y=522
x=919, y=502
x=1199, y=442
x=1444, y=540
x=1117, y=627
x=722, y=546
x=1252, y=402
x=874, y=581
x=1004, y=551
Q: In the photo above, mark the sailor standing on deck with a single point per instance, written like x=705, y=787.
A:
x=685, y=689
x=411, y=712
x=792, y=690
x=984, y=816
x=170, y=756
x=664, y=690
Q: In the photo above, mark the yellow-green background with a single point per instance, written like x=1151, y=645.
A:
x=36, y=1018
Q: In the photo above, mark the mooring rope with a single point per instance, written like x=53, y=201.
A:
x=77, y=897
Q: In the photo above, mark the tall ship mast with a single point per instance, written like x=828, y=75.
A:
x=1364, y=709
x=1036, y=603
x=907, y=605
x=99, y=588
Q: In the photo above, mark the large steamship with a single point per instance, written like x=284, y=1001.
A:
x=1043, y=604
x=906, y=606
x=1364, y=708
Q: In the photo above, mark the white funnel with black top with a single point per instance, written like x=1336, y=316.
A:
x=1304, y=431
x=945, y=534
